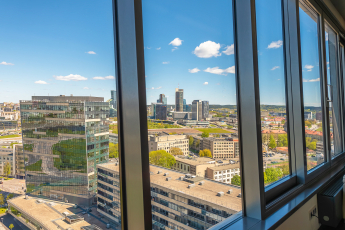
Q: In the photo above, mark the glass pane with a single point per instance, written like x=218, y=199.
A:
x=56, y=104
x=313, y=117
x=274, y=127
x=192, y=113
x=332, y=88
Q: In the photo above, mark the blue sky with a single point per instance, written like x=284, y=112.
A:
x=45, y=48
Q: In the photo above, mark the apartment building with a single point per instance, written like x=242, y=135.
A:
x=166, y=142
x=178, y=201
x=64, y=138
x=223, y=173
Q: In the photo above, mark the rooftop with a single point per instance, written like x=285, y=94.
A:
x=225, y=167
x=49, y=213
x=208, y=191
x=196, y=161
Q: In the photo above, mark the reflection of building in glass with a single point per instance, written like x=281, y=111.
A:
x=6, y=124
x=178, y=201
x=7, y=156
x=178, y=100
x=64, y=138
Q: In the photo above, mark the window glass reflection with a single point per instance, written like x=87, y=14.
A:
x=274, y=127
x=333, y=92
x=313, y=114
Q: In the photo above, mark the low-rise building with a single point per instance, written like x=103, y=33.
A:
x=7, y=156
x=113, y=138
x=178, y=201
x=195, y=166
x=166, y=142
x=223, y=173
x=219, y=147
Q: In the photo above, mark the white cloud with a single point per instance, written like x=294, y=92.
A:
x=159, y=87
x=148, y=48
x=216, y=70
x=155, y=88
x=230, y=70
x=207, y=49
x=311, y=80
x=86, y=88
x=158, y=48
x=41, y=82
x=165, y=62
x=104, y=78
x=5, y=63
x=176, y=42
x=195, y=70
x=175, y=48
x=91, y=52
x=309, y=67
x=205, y=83
x=275, y=45
x=275, y=67
x=229, y=50
x=71, y=77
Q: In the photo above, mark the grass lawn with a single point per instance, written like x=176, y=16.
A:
x=213, y=130
x=2, y=210
x=9, y=136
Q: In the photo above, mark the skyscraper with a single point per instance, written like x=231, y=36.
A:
x=159, y=111
x=113, y=99
x=64, y=138
x=178, y=100
x=184, y=105
x=196, y=110
x=205, y=109
x=162, y=99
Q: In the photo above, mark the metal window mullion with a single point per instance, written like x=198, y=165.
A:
x=131, y=94
x=324, y=91
x=249, y=108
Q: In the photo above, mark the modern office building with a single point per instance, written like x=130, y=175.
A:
x=162, y=99
x=197, y=110
x=178, y=100
x=178, y=201
x=184, y=105
x=64, y=138
x=205, y=109
x=181, y=115
x=113, y=99
x=7, y=124
x=166, y=142
x=159, y=111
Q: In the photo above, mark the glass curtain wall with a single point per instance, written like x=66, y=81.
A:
x=57, y=66
x=272, y=88
x=192, y=113
x=312, y=86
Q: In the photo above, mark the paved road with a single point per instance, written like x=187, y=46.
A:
x=8, y=219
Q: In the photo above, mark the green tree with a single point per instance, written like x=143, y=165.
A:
x=161, y=158
x=230, y=126
x=273, y=174
x=9, y=196
x=216, y=135
x=207, y=153
x=175, y=151
x=272, y=143
x=236, y=180
x=7, y=169
x=11, y=226
x=312, y=146
x=285, y=169
x=113, y=150
x=197, y=143
x=2, y=201
x=191, y=141
x=201, y=153
x=205, y=134
x=307, y=123
x=282, y=140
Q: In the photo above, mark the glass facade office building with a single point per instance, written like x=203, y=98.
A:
x=64, y=138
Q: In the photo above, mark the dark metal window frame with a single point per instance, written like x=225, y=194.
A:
x=258, y=202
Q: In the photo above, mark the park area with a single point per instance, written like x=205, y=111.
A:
x=213, y=130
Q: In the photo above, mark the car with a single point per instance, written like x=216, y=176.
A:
x=282, y=159
x=220, y=162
